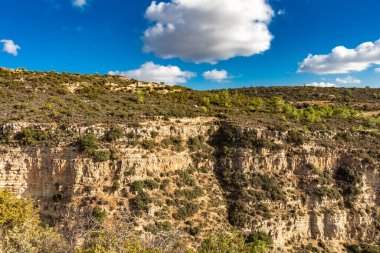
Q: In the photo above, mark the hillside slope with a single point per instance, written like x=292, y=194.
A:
x=300, y=164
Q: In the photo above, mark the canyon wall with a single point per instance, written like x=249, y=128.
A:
x=201, y=175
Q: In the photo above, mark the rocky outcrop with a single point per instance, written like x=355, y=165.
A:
x=251, y=178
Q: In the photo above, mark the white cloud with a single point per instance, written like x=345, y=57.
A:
x=208, y=30
x=377, y=70
x=79, y=3
x=281, y=12
x=348, y=80
x=343, y=60
x=151, y=72
x=321, y=84
x=216, y=75
x=10, y=47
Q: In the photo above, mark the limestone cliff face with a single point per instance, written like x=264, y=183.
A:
x=309, y=199
x=247, y=177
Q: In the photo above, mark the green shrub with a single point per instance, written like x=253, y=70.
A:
x=261, y=143
x=295, y=137
x=141, y=202
x=154, y=134
x=30, y=136
x=139, y=98
x=148, y=144
x=324, y=191
x=115, y=185
x=131, y=135
x=164, y=184
x=255, y=238
x=311, y=168
x=15, y=211
x=88, y=143
x=348, y=179
x=190, y=194
x=238, y=214
x=174, y=142
x=187, y=210
x=269, y=186
x=227, y=150
x=256, y=104
x=6, y=136
x=276, y=104
x=205, y=101
x=151, y=184
x=137, y=186
x=186, y=178
x=196, y=143
x=101, y=156
x=99, y=214
x=225, y=99
x=158, y=227
x=114, y=134
x=347, y=175
x=193, y=231
x=113, y=155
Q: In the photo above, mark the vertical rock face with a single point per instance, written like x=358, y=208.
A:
x=298, y=192
x=250, y=178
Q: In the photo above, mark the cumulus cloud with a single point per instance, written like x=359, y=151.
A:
x=10, y=47
x=348, y=80
x=151, y=72
x=79, y=3
x=216, y=75
x=321, y=84
x=208, y=30
x=343, y=60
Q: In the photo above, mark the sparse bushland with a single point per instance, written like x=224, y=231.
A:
x=62, y=97
x=21, y=231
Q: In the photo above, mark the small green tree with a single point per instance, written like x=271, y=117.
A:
x=15, y=211
x=257, y=104
x=140, y=98
x=205, y=101
x=20, y=229
x=225, y=99
x=277, y=104
x=114, y=134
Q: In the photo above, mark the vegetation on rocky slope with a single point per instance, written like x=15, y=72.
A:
x=21, y=231
x=73, y=98
x=260, y=165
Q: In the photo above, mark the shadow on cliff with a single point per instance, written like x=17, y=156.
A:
x=50, y=177
x=232, y=181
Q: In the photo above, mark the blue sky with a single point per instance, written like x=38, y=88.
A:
x=206, y=44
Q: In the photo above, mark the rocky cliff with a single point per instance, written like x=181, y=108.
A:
x=316, y=189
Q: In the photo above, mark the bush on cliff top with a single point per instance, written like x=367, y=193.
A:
x=88, y=143
x=30, y=136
